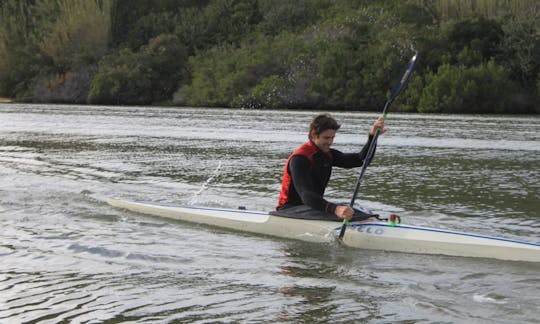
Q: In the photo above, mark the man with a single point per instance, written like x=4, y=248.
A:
x=308, y=169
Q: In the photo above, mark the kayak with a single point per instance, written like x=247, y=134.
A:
x=369, y=234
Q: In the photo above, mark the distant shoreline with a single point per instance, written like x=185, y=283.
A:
x=5, y=100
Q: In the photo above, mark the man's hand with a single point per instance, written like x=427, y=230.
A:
x=378, y=124
x=344, y=212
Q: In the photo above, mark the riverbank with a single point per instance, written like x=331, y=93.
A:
x=5, y=100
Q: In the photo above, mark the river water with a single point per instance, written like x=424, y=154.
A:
x=66, y=256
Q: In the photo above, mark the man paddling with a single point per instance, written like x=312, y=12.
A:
x=308, y=169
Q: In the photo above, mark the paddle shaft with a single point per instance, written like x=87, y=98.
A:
x=370, y=154
x=367, y=160
x=371, y=150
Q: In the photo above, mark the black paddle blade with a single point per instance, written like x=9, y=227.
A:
x=405, y=78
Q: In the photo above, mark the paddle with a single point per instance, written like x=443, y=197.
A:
x=398, y=88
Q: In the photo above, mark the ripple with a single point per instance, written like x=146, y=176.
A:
x=101, y=251
x=489, y=299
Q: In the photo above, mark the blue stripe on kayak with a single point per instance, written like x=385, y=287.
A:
x=445, y=232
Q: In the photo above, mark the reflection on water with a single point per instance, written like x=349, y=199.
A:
x=69, y=257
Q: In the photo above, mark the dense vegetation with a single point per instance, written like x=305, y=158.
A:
x=475, y=55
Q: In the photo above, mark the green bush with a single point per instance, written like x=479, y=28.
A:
x=271, y=92
x=520, y=47
x=460, y=89
x=479, y=34
x=120, y=79
x=143, y=77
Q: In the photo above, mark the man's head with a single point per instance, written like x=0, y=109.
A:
x=322, y=131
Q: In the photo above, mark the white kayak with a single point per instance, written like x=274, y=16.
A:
x=376, y=235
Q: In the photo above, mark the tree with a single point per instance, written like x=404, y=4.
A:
x=149, y=75
x=460, y=89
x=20, y=58
x=78, y=34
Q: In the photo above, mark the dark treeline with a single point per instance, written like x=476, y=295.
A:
x=476, y=56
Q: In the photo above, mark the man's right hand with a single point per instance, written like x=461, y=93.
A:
x=378, y=124
x=344, y=212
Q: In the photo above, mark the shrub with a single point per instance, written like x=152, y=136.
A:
x=271, y=92
x=150, y=75
x=485, y=88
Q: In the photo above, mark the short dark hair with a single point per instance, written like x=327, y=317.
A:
x=321, y=123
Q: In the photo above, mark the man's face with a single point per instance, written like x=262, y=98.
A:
x=324, y=140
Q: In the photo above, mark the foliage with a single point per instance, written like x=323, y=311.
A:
x=219, y=23
x=77, y=32
x=520, y=46
x=119, y=79
x=284, y=15
x=271, y=92
x=141, y=77
x=475, y=56
x=19, y=57
x=462, y=9
x=134, y=22
x=462, y=89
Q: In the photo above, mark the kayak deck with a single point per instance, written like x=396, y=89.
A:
x=424, y=240
x=375, y=235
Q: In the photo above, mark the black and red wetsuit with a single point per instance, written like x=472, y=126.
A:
x=307, y=172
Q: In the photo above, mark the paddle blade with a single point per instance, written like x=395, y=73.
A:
x=398, y=88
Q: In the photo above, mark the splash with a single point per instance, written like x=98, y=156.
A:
x=214, y=175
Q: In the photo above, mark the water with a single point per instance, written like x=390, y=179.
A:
x=69, y=257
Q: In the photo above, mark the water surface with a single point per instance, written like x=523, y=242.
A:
x=69, y=257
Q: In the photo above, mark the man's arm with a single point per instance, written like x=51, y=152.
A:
x=352, y=160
